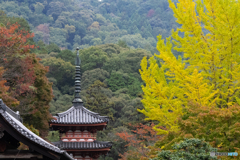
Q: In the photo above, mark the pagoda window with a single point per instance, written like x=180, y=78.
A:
x=77, y=133
x=69, y=134
x=85, y=133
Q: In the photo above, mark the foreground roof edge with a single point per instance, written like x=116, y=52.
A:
x=16, y=126
x=4, y=107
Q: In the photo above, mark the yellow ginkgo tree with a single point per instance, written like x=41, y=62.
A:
x=208, y=73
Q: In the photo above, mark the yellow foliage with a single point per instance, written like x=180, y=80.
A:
x=94, y=25
x=70, y=29
x=209, y=71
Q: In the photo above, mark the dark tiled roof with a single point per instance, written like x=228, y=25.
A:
x=21, y=129
x=82, y=145
x=79, y=115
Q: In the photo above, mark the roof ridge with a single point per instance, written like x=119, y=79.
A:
x=90, y=111
x=65, y=112
x=4, y=107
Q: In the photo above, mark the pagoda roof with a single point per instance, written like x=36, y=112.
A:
x=83, y=145
x=79, y=115
x=14, y=120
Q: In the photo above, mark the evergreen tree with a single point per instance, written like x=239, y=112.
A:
x=97, y=101
x=189, y=149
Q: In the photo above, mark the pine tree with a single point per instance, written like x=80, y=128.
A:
x=97, y=101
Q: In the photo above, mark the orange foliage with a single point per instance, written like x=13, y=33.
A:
x=24, y=77
x=140, y=142
x=10, y=39
x=15, y=48
x=8, y=100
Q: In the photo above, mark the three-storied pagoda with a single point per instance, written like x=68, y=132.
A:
x=78, y=127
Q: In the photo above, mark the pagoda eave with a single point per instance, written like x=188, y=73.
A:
x=88, y=150
x=77, y=125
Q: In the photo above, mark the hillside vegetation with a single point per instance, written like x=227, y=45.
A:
x=83, y=23
x=114, y=36
x=189, y=93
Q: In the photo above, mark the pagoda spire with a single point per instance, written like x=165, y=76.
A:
x=77, y=101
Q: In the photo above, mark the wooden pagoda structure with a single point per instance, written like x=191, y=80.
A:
x=78, y=127
x=12, y=132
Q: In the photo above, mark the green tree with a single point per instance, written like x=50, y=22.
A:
x=90, y=76
x=58, y=36
x=134, y=86
x=62, y=71
x=189, y=149
x=122, y=44
x=38, y=8
x=97, y=101
x=52, y=47
x=53, y=136
x=116, y=81
x=61, y=103
x=67, y=56
x=92, y=57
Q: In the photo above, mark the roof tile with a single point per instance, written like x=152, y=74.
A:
x=82, y=145
x=79, y=115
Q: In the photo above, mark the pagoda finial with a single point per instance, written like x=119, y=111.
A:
x=77, y=101
x=78, y=61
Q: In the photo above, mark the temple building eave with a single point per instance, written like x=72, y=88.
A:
x=88, y=146
x=76, y=124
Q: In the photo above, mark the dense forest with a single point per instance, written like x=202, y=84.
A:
x=43, y=83
x=110, y=73
x=84, y=23
x=111, y=83
x=181, y=102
